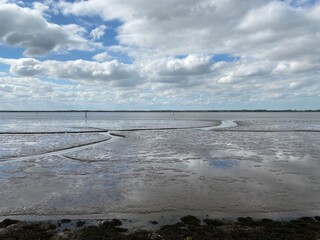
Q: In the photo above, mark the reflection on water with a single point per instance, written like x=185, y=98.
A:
x=223, y=163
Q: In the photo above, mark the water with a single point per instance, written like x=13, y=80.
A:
x=250, y=164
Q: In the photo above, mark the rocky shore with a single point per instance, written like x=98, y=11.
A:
x=188, y=228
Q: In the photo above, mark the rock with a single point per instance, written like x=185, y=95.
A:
x=80, y=223
x=214, y=222
x=51, y=227
x=306, y=219
x=248, y=221
x=190, y=220
x=65, y=220
x=7, y=222
x=112, y=223
x=266, y=220
x=28, y=231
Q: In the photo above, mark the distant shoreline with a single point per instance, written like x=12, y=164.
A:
x=156, y=111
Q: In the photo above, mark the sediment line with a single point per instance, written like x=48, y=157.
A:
x=160, y=129
x=53, y=152
x=77, y=159
x=59, y=132
x=256, y=131
x=100, y=130
x=60, y=152
x=117, y=135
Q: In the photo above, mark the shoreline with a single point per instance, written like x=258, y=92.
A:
x=187, y=228
x=165, y=216
x=160, y=111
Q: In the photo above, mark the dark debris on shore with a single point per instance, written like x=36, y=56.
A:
x=189, y=228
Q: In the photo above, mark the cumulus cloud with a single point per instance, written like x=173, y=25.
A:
x=32, y=93
x=102, y=57
x=295, y=67
x=88, y=71
x=245, y=71
x=98, y=32
x=113, y=72
x=276, y=16
x=24, y=66
x=170, y=26
x=180, y=27
x=279, y=31
x=17, y=93
x=27, y=28
x=171, y=44
x=190, y=65
x=40, y=7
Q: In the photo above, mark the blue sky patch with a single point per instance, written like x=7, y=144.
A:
x=225, y=58
x=10, y=52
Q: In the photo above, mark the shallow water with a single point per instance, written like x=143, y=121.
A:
x=199, y=168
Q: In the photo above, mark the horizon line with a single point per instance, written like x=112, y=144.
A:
x=171, y=110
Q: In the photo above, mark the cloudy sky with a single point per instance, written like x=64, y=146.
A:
x=148, y=54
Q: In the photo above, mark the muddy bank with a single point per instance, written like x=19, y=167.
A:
x=188, y=228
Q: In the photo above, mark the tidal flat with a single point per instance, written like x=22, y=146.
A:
x=155, y=166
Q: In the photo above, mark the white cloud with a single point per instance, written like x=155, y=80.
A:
x=245, y=70
x=98, y=32
x=88, y=72
x=40, y=7
x=178, y=27
x=194, y=79
x=32, y=93
x=297, y=67
x=27, y=67
x=18, y=93
x=190, y=65
x=102, y=57
x=275, y=16
x=174, y=27
x=276, y=42
x=26, y=27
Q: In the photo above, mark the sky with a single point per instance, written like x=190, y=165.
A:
x=159, y=55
